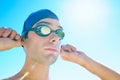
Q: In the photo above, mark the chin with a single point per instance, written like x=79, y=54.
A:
x=52, y=59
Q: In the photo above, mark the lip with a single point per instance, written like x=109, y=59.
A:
x=51, y=49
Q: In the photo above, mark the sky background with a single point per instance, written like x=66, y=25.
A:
x=93, y=26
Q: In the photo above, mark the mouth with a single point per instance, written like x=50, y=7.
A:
x=51, y=50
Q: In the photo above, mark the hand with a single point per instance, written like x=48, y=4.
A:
x=9, y=39
x=70, y=53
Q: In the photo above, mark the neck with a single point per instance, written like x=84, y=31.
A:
x=34, y=71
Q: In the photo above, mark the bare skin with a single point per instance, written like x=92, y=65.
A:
x=71, y=54
x=9, y=39
x=41, y=52
x=39, y=59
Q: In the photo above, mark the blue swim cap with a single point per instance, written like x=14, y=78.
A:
x=35, y=17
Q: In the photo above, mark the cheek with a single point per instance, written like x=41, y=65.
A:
x=59, y=45
x=37, y=43
x=37, y=39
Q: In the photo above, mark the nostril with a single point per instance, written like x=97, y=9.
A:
x=53, y=40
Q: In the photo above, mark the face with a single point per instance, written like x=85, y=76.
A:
x=44, y=49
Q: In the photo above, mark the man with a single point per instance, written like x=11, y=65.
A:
x=41, y=38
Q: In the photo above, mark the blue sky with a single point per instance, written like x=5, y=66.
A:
x=93, y=26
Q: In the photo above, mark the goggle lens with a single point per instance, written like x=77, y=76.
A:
x=45, y=30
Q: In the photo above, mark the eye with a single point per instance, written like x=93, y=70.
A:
x=45, y=30
x=60, y=33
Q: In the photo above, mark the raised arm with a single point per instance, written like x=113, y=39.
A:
x=70, y=53
x=9, y=39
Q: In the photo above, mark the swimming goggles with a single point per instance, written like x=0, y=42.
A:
x=45, y=30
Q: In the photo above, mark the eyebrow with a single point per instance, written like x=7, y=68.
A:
x=48, y=23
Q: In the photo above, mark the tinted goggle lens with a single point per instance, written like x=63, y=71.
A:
x=44, y=30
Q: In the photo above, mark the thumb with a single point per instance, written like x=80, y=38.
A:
x=17, y=43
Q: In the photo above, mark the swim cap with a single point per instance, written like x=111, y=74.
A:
x=35, y=17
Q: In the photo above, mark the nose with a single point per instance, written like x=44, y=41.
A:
x=54, y=39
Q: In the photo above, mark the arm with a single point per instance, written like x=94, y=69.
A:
x=9, y=39
x=70, y=53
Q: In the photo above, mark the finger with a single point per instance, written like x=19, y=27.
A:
x=1, y=31
x=65, y=49
x=73, y=48
x=13, y=34
x=17, y=37
x=6, y=33
x=80, y=53
x=68, y=48
x=66, y=55
x=18, y=43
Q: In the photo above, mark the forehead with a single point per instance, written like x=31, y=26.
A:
x=49, y=21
